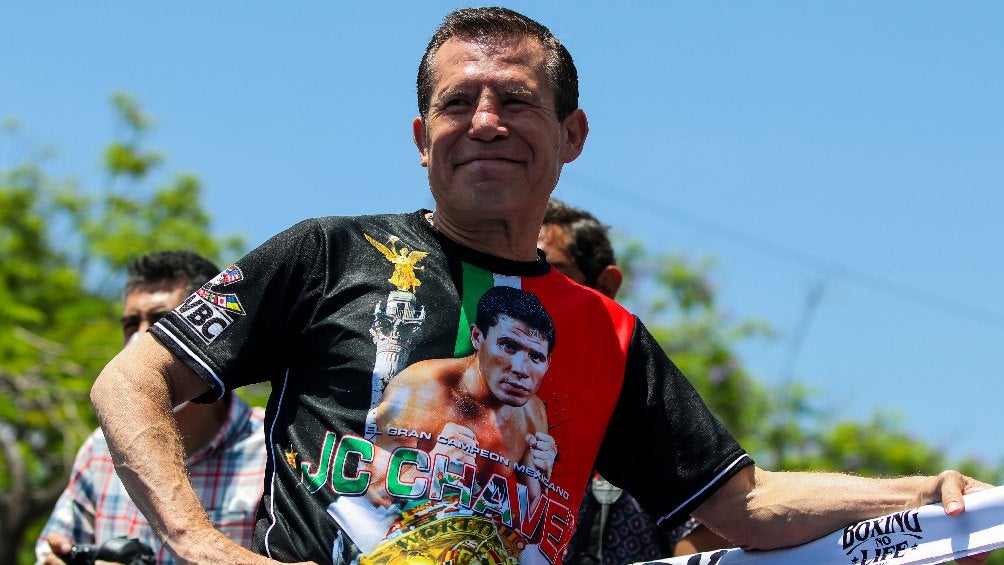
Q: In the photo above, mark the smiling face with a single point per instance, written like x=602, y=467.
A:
x=492, y=141
x=512, y=359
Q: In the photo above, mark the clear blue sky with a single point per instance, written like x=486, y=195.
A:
x=853, y=147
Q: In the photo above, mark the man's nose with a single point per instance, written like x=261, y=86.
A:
x=521, y=364
x=487, y=123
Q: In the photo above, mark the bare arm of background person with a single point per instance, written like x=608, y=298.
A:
x=133, y=397
x=761, y=509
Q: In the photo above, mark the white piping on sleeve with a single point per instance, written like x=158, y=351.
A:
x=275, y=461
x=705, y=488
x=212, y=373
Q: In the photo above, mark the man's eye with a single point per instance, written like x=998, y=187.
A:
x=516, y=102
x=129, y=330
x=154, y=318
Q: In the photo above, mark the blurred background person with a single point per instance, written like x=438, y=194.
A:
x=612, y=528
x=224, y=441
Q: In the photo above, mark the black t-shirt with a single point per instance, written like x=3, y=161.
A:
x=399, y=428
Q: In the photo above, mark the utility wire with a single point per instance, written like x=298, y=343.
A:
x=812, y=299
x=649, y=205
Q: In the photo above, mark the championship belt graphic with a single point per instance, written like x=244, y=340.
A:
x=434, y=533
x=396, y=321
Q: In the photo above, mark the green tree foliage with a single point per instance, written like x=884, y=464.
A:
x=677, y=302
x=64, y=249
x=126, y=220
x=54, y=336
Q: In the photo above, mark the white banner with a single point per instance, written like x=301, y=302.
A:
x=911, y=537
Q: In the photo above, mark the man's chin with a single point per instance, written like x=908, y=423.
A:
x=516, y=401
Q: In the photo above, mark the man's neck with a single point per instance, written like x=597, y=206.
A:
x=514, y=240
x=473, y=386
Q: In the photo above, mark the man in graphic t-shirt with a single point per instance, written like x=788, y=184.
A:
x=329, y=318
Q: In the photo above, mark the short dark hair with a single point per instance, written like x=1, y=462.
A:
x=589, y=247
x=502, y=23
x=519, y=305
x=178, y=265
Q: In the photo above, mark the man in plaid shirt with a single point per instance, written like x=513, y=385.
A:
x=224, y=441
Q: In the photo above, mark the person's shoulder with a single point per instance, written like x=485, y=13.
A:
x=429, y=378
x=93, y=449
x=334, y=223
x=95, y=442
x=430, y=372
x=363, y=220
x=351, y=230
x=242, y=420
x=535, y=409
x=256, y=418
x=573, y=304
x=580, y=297
x=257, y=414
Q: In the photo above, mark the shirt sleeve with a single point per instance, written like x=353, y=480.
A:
x=73, y=515
x=243, y=326
x=663, y=445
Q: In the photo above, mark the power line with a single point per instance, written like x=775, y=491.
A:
x=812, y=300
x=649, y=205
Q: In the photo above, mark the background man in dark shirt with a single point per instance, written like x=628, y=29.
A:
x=613, y=528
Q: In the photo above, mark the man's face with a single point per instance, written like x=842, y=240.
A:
x=512, y=358
x=554, y=241
x=149, y=302
x=492, y=141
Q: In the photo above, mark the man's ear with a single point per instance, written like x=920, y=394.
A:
x=476, y=337
x=609, y=281
x=576, y=129
x=418, y=131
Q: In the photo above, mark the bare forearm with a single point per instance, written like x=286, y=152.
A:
x=766, y=510
x=133, y=404
x=810, y=505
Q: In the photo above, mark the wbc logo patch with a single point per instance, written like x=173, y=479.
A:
x=209, y=312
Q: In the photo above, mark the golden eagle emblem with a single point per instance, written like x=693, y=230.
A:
x=405, y=263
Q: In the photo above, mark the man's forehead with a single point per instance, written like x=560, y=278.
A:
x=166, y=286
x=503, y=58
x=501, y=47
x=519, y=328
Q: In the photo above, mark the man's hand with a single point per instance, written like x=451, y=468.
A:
x=216, y=547
x=949, y=488
x=59, y=546
x=543, y=450
x=460, y=434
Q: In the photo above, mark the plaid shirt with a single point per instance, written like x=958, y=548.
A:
x=228, y=475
